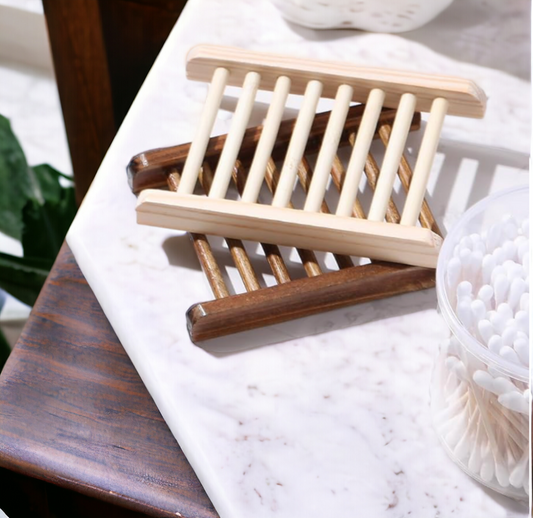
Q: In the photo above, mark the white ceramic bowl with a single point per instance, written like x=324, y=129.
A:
x=367, y=15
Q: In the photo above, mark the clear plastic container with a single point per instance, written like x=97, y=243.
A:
x=480, y=399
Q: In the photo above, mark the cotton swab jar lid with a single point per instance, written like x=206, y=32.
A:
x=482, y=216
x=480, y=394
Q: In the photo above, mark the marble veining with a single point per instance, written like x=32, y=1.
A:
x=336, y=424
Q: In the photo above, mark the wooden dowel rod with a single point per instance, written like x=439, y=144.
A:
x=192, y=166
x=272, y=253
x=309, y=262
x=243, y=264
x=424, y=162
x=343, y=261
x=308, y=257
x=372, y=173
x=233, y=143
x=393, y=154
x=427, y=220
x=297, y=144
x=339, y=175
x=236, y=246
x=328, y=149
x=276, y=263
x=203, y=252
x=305, y=176
x=364, y=138
x=148, y=170
x=209, y=265
x=267, y=140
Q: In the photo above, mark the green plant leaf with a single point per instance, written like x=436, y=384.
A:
x=46, y=221
x=47, y=179
x=23, y=277
x=45, y=226
x=15, y=182
x=35, y=209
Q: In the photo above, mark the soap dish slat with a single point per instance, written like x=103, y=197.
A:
x=232, y=320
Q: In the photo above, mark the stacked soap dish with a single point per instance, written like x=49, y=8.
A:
x=285, y=184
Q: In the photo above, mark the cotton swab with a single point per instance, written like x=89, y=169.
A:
x=484, y=420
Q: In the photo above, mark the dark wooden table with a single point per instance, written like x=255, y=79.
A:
x=74, y=412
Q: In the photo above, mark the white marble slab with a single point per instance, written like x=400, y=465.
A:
x=336, y=424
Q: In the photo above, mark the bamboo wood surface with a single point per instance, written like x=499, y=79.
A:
x=196, y=153
x=238, y=252
x=339, y=175
x=424, y=162
x=326, y=232
x=236, y=246
x=305, y=175
x=204, y=319
x=328, y=149
x=372, y=173
x=203, y=252
x=426, y=217
x=243, y=225
x=74, y=412
x=149, y=170
x=465, y=98
x=360, y=150
x=297, y=144
x=307, y=257
x=267, y=140
x=239, y=124
x=393, y=155
x=272, y=252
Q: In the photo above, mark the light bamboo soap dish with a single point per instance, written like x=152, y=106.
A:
x=309, y=228
x=281, y=157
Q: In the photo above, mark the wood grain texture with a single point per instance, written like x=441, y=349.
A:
x=74, y=412
x=203, y=251
x=149, y=170
x=134, y=32
x=304, y=297
x=208, y=322
x=235, y=246
x=372, y=174
x=289, y=227
x=426, y=218
x=102, y=51
x=338, y=175
x=308, y=257
x=272, y=252
x=82, y=73
x=465, y=97
x=305, y=175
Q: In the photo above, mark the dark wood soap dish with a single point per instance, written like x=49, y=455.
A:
x=230, y=321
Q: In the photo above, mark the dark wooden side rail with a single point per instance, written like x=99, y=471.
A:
x=74, y=412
